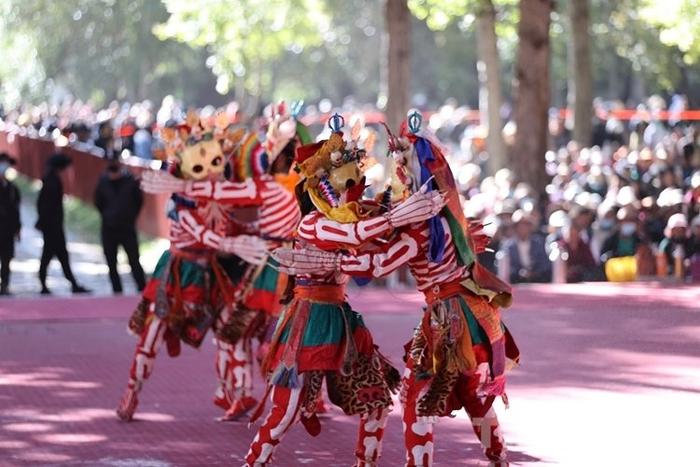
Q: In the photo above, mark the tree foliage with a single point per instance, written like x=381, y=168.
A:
x=95, y=49
x=246, y=37
x=679, y=24
x=315, y=49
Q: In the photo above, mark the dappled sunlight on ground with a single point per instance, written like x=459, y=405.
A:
x=603, y=381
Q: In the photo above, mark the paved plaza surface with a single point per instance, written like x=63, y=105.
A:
x=610, y=376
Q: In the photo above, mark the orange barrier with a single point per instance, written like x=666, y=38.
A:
x=474, y=116
x=32, y=154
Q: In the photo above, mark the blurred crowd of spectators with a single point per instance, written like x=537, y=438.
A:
x=634, y=193
x=120, y=128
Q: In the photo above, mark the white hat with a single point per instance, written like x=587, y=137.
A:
x=677, y=220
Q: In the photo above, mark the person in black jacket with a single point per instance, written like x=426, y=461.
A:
x=50, y=223
x=9, y=222
x=118, y=198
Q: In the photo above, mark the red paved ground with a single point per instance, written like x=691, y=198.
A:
x=610, y=376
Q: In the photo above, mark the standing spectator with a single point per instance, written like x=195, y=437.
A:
x=527, y=258
x=105, y=139
x=50, y=223
x=118, y=198
x=9, y=222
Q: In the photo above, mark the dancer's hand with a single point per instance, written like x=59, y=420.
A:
x=418, y=207
x=159, y=181
x=305, y=261
x=249, y=248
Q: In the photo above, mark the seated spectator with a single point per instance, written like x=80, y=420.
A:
x=625, y=240
x=525, y=253
x=676, y=247
x=695, y=249
x=576, y=242
x=695, y=236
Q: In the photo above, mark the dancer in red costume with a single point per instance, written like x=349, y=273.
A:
x=319, y=337
x=190, y=289
x=267, y=166
x=461, y=349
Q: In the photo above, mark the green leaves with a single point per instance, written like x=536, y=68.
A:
x=246, y=36
x=679, y=24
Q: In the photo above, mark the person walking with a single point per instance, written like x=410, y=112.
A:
x=119, y=199
x=9, y=221
x=50, y=223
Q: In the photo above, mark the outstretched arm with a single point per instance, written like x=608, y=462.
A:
x=246, y=193
x=328, y=234
x=376, y=263
x=249, y=248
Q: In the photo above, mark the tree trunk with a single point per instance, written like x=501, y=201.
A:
x=490, y=96
x=580, y=74
x=398, y=26
x=531, y=93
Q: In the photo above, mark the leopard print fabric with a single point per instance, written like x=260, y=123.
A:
x=313, y=383
x=137, y=321
x=368, y=387
x=242, y=323
x=435, y=401
x=443, y=338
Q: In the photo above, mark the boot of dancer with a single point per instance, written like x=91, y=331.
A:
x=241, y=370
x=223, y=396
x=142, y=365
x=369, y=439
x=285, y=411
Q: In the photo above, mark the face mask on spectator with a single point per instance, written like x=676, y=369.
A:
x=607, y=224
x=628, y=228
x=3, y=167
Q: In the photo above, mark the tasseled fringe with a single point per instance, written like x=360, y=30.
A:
x=286, y=377
x=495, y=387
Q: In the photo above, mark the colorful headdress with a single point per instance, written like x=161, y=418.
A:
x=195, y=130
x=431, y=158
x=251, y=159
x=433, y=164
x=322, y=164
x=200, y=147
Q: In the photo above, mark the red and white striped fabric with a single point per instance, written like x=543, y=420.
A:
x=279, y=213
x=278, y=210
x=189, y=231
x=317, y=231
x=329, y=235
x=409, y=247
